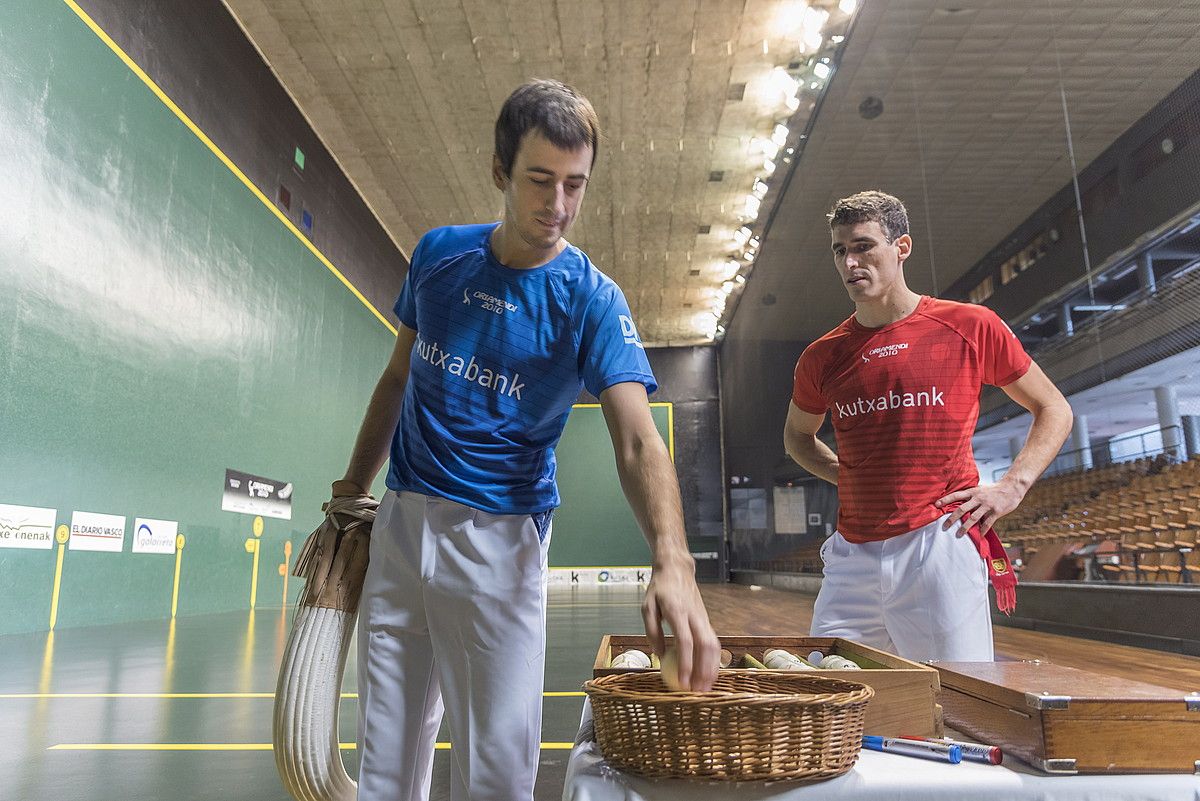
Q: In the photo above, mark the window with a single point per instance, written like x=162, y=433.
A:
x=1027, y=256
x=1008, y=270
x=984, y=291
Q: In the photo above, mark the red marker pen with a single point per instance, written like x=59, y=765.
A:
x=975, y=752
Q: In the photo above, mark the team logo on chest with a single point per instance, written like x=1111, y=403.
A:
x=487, y=302
x=884, y=351
x=890, y=401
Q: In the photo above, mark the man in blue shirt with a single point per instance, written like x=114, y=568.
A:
x=501, y=325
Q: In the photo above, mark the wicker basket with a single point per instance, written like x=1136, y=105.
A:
x=749, y=727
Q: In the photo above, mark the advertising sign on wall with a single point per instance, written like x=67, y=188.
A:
x=26, y=527
x=91, y=531
x=255, y=495
x=154, y=536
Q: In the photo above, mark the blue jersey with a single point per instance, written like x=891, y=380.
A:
x=500, y=356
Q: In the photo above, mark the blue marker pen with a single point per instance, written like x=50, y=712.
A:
x=894, y=745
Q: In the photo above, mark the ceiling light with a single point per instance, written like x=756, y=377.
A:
x=727, y=287
x=792, y=103
x=752, y=205
x=760, y=188
x=848, y=6
x=754, y=243
x=769, y=166
x=783, y=82
x=739, y=278
x=837, y=39
x=821, y=70
x=779, y=136
x=812, y=21
x=767, y=147
x=741, y=236
x=790, y=17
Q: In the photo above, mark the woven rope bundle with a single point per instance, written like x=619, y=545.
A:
x=749, y=727
x=308, y=696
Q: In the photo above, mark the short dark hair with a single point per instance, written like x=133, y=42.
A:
x=553, y=109
x=872, y=206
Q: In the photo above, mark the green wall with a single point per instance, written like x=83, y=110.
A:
x=158, y=324
x=594, y=526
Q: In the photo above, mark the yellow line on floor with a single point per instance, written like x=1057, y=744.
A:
x=228, y=746
x=556, y=694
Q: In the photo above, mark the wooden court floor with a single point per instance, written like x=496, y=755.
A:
x=150, y=711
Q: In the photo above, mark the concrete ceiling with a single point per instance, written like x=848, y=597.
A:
x=972, y=136
x=404, y=93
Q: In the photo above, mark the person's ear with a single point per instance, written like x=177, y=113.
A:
x=498, y=177
x=904, y=247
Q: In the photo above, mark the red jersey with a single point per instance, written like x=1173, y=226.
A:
x=904, y=400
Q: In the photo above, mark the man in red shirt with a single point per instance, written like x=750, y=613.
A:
x=908, y=568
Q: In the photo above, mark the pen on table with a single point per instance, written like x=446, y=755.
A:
x=915, y=748
x=975, y=752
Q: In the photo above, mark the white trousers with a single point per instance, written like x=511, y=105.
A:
x=453, y=620
x=922, y=595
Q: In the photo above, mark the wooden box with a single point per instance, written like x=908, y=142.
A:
x=905, y=692
x=1064, y=720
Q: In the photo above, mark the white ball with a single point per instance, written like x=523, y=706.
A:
x=835, y=662
x=631, y=659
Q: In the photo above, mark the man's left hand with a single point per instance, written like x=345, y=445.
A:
x=674, y=598
x=984, y=504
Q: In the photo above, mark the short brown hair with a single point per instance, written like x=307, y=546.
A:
x=553, y=109
x=872, y=206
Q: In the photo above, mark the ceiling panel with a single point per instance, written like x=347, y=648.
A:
x=404, y=93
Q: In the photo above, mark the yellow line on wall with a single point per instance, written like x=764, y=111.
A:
x=671, y=430
x=229, y=746
x=170, y=104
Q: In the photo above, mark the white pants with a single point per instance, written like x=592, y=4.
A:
x=922, y=595
x=453, y=619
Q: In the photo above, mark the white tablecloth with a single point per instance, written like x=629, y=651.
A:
x=886, y=777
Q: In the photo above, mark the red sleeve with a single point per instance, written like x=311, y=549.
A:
x=1001, y=355
x=806, y=392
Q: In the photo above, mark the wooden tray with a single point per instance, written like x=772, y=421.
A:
x=905, y=692
x=1063, y=720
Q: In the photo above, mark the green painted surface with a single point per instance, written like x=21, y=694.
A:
x=157, y=325
x=595, y=527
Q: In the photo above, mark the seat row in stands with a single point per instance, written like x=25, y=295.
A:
x=1139, y=523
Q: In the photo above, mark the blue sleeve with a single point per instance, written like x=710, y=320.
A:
x=406, y=304
x=610, y=349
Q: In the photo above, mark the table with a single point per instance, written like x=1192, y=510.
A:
x=886, y=777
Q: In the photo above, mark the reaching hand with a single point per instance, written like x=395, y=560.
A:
x=674, y=598
x=986, y=503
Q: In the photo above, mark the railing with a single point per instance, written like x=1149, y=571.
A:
x=1167, y=440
